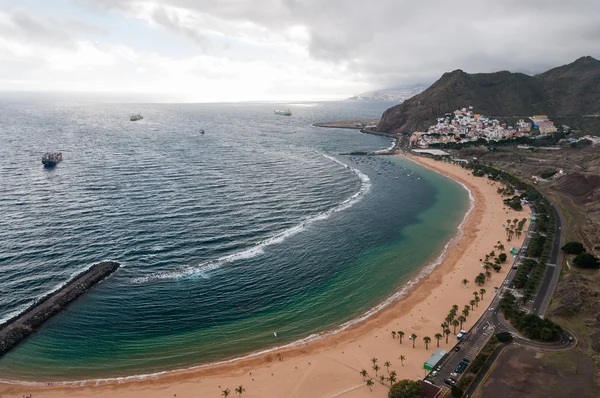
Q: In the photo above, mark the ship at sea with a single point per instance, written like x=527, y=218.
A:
x=136, y=117
x=284, y=112
x=51, y=159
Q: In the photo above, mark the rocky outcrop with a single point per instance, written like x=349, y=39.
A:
x=572, y=89
x=19, y=327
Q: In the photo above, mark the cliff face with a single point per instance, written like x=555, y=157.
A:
x=572, y=89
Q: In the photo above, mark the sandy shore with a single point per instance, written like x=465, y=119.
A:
x=330, y=367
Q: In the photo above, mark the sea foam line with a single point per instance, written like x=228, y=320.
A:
x=425, y=271
x=259, y=248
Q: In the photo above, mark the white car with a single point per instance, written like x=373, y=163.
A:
x=454, y=374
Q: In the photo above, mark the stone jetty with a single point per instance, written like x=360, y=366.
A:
x=16, y=329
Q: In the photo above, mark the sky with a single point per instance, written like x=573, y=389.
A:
x=270, y=50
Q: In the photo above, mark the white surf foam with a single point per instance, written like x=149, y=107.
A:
x=202, y=268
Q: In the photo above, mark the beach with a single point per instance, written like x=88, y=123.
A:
x=330, y=367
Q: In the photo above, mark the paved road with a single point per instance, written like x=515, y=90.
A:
x=548, y=285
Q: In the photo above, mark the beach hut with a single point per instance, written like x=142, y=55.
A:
x=434, y=359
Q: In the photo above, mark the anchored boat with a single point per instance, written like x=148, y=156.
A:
x=284, y=112
x=51, y=159
x=136, y=117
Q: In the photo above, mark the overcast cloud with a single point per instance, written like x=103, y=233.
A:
x=218, y=50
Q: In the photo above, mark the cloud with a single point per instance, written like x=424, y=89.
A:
x=245, y=48
x=399, y=41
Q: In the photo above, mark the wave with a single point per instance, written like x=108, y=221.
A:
x=388, y=148
x=202, y=268
x=425, y=271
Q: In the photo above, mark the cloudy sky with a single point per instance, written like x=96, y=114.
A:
x=230, y=50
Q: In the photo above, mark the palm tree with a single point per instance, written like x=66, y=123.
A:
x=462, y=319
x=455, y=323
x=370, y=384
x=226, y=392
x=240, y=389
x=465, y=281
x=488, y=275
x=393, y=334
x=382, y=379
x=444, y=325
x=447, y=333
x=427, y=340
x=438, y=337
x=472, y=302
x=465, y=311
x=448, y=319
x=455, y=308
x=475, y=294
x=482, y=292
x=500, y=247
x=392, y=378
x=387, y=365
x=414, y=338
x=400, y=335
x=376, y=369
x=477, y=301
x=402, y=359
x=374, y=360
x=363, y=373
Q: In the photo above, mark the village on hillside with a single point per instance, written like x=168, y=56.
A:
x=464, y=126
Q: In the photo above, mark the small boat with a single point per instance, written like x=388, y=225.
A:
x=201, y=131
x=275, y=334
x=283, y=112
x=51, y=159
x=135, y=117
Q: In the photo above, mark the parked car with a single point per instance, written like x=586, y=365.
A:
x=459, y=370
x=449, y=382
x=457, y=348
x=434, y=373
x=467, y=360
x=454, y=374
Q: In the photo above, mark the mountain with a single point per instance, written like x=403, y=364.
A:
x=569, y=90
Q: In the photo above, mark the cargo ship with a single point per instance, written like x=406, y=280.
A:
x=284, y=112
x=136, y=117
x=51, y=159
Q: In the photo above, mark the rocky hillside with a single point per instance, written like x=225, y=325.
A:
x=569, y=90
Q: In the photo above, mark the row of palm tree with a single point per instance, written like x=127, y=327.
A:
x=239, y=390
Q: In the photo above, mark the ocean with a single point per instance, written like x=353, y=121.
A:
x=253, y=235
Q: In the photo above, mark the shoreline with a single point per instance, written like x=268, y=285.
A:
x=412, y=293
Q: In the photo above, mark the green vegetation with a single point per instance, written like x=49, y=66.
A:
x=502, y=257
x=530, y=325
x=586, y=260
x=504, y=337
x=405, y=389
x=513, y=203
x=548, y=173
x=573, y=248
x=457, y=391
x=536, y=245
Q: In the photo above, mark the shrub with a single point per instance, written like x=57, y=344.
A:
x=586, y=260
x=405, y=389
x=573, y=248
x=504, y=337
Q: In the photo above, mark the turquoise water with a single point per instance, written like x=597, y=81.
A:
x=254, y=228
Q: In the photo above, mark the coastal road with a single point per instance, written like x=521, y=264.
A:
x=548, y=285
